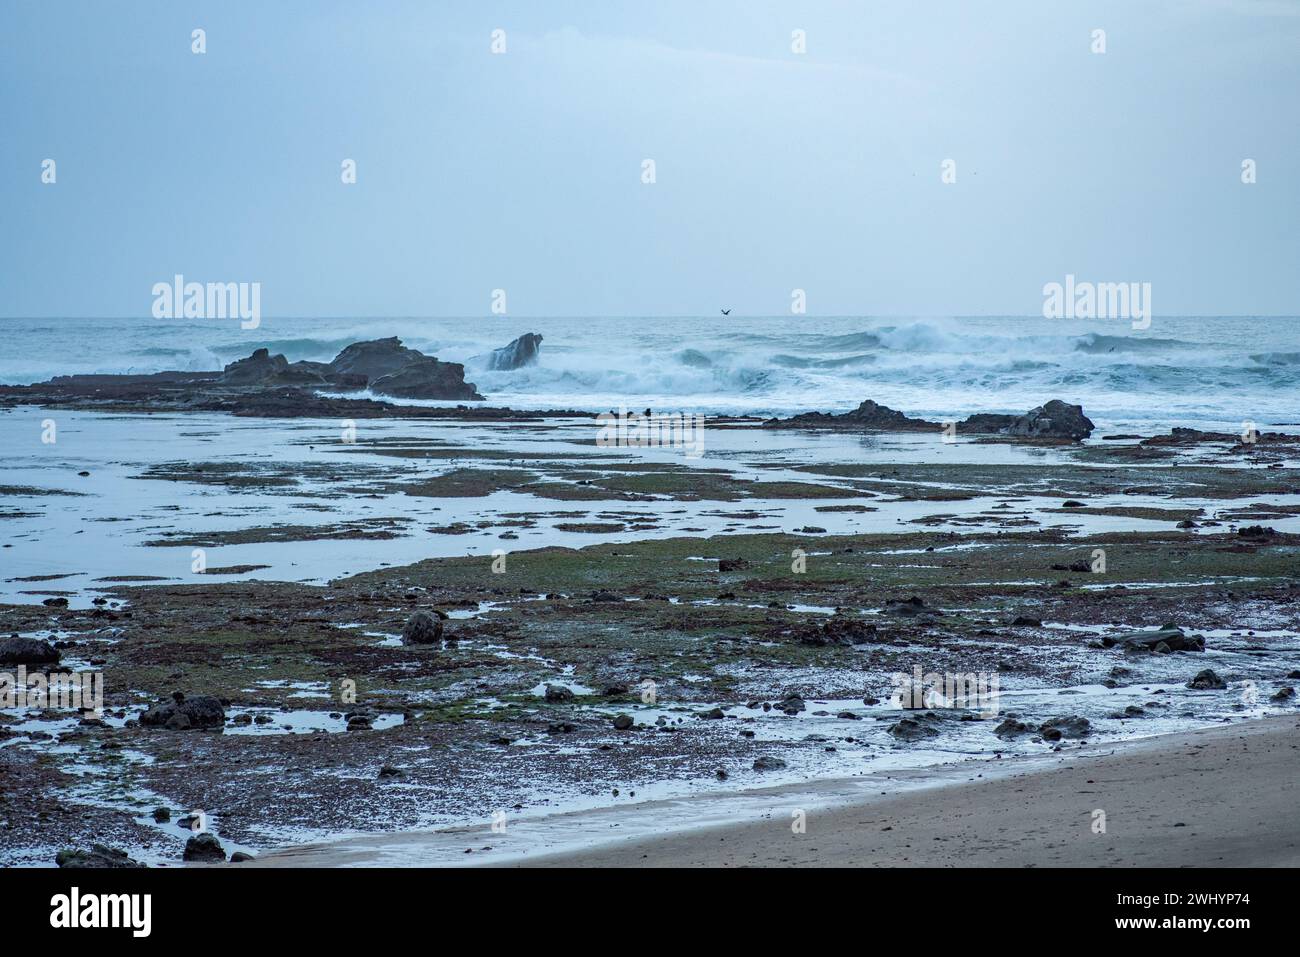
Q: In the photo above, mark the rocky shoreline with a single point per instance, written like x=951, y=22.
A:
x=475, y=693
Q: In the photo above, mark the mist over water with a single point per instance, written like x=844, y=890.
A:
x=1200, y=371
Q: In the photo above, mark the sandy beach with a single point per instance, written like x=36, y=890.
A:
x=1225, y=797
x=1219, y=797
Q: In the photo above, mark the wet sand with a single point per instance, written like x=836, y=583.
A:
x=1224, y=797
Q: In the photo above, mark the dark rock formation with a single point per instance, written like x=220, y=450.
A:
x=17, y=650
x=186, y=714
x=558, y=694
x=263, y=369
x=1170, y=636
x=427, y=378
x=1072, y=726
x=522, y=352
x=868, y=416
x=204, y=847
x=422, y=628
x=912, y=729
x=1011, y=728
x=1053, y=420
x=99, y=856
x=837, y=630
x=1207, y=680
x=768, y=764
x=375, y=358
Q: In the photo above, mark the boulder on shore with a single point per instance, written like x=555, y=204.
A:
x=1207, y=680
x=1170, y=636
x=204, y=847
x=99, y=856
x=1053, y=420
x=17, y=650
x=186, y=714
x=422, y=628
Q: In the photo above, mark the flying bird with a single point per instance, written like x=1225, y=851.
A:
x=726, y=312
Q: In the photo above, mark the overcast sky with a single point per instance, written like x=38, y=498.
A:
x=775, y=170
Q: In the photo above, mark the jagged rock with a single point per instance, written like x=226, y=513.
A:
x=186, y=714
x=523, y=351
x=99, y=856
x=422, y=628
x=558, y=694
x=375, y=358
x=837, y=630
x=1207, y=680
x=17, y=650
x=1171, y=636
x=1257, y=531
x=1283, y=694
x=1053, y=420
x=868, y=416
x=909, y=607
x=766, y=763
x=1011, y=728
x=910, y=729
x=427, y=378
x=1072, y=726
x=204, y=847
x=987, y=423
x=623, y=722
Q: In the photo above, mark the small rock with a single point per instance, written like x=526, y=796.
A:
x=204, y=847
x=422, y=628
x=1207, y=680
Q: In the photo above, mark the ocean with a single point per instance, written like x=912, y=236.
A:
x=1206, y=372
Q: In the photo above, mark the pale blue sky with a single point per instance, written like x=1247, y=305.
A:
x=522, y=171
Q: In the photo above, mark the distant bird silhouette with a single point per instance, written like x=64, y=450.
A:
x=726, y=312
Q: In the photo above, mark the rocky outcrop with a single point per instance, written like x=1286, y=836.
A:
x=1163, y=640
x=915, y=729
x=427, y=378
x=375, y=358
x=1054, y=420
x=522, y=352
x=17, y=650
x=263, y=369
x=869, y=416
x=1072, y=726
x=186, y=714
x=836, y=630
x=99, y=856
x=390, y=368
